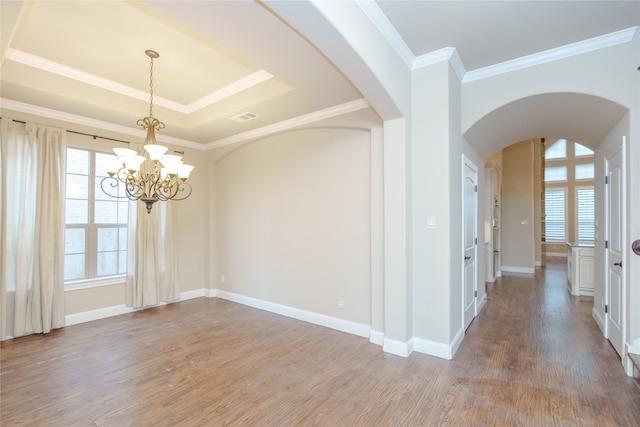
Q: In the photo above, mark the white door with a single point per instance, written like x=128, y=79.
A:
x=469, y=225
x=615, y=286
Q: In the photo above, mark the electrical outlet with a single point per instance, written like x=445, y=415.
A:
x=340, y=302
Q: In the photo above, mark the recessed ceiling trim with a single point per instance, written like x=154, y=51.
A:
x=90, y=79
x=584, y=46
x=230, y=90
x=74, y=119
x=348, y=107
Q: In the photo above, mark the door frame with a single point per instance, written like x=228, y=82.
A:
x=623, y=229
x=466, y=162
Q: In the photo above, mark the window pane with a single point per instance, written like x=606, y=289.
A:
x=106, y=212
x=107, y=239
x=554, y=207
x=586, y=214
x=74, y=241
x=107, y=190
x=74, y=267
x=77, y=211
x=77, y=161
x=584, y=171
x=556, y=173
x=77, y=187
x=107, y=263
x=581, y=150
x=122, y=262
x=102, y=162
x=557, y=150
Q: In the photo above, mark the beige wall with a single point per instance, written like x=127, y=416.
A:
x=292, y=221
x=517, y=223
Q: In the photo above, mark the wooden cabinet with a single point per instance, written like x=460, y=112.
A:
x=580, y=266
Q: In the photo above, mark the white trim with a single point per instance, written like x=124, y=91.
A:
x=337, y=110
x=100, y=313
x=238, y=86
x=599, y=321
x=388, y=31
x=115, y=310
x=376, y=337
x=562, y=52
x=342, y=325
x=482, y=302
x=74, y=119
x=398, y=348
x=514, y=269
x=436, y=349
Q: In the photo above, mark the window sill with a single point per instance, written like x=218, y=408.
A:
x=76, y=285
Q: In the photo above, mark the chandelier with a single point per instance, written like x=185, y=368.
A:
x=152, y=177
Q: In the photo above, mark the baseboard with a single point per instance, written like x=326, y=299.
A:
x=398, y=348
x=437, y=349
x=599, y=320
x=482, y=302
x=512, y=269
x=347, y=326
x=116, y=310
x=100, y=313
x=376, y=337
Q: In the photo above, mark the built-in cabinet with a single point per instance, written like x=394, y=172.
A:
x=580, y=269
x=492, y=223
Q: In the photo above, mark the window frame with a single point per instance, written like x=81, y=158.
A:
x=91, y=230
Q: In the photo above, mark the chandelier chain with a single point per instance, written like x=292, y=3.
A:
x=151, y=89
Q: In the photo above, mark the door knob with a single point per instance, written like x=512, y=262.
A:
x=618, y=264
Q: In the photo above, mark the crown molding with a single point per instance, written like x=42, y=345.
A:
x=562, y=52
x=388, y=31
x=348, y=107
x=74, y=119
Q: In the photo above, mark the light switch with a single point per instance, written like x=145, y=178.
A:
x=431, y=222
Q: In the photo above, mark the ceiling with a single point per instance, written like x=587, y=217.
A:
x=84, y=62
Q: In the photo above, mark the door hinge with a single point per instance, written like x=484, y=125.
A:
x=606, y=244
x=606, y=179
x=606, y=308
x=476, y=189
x=476, y=240
x=475, y=294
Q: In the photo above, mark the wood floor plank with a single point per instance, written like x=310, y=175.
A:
x=533, y=357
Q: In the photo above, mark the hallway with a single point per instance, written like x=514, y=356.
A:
x=533, y=357
x=537, y=348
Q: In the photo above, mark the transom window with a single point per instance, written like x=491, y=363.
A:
x=557, y=150
x=96, y=224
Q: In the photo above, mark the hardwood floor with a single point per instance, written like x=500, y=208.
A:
x=533, y=357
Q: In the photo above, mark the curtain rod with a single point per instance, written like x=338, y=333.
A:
x=95, y=136
x=82, y=133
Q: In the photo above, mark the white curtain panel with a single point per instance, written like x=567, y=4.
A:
x=32, y=181
x=151, y=255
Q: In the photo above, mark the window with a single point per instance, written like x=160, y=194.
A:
x=584, y=171
x=581, y=151
x=96, y=224
x=585, y=214
x=557, y=150
x=555, y=174
x=555, y=215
